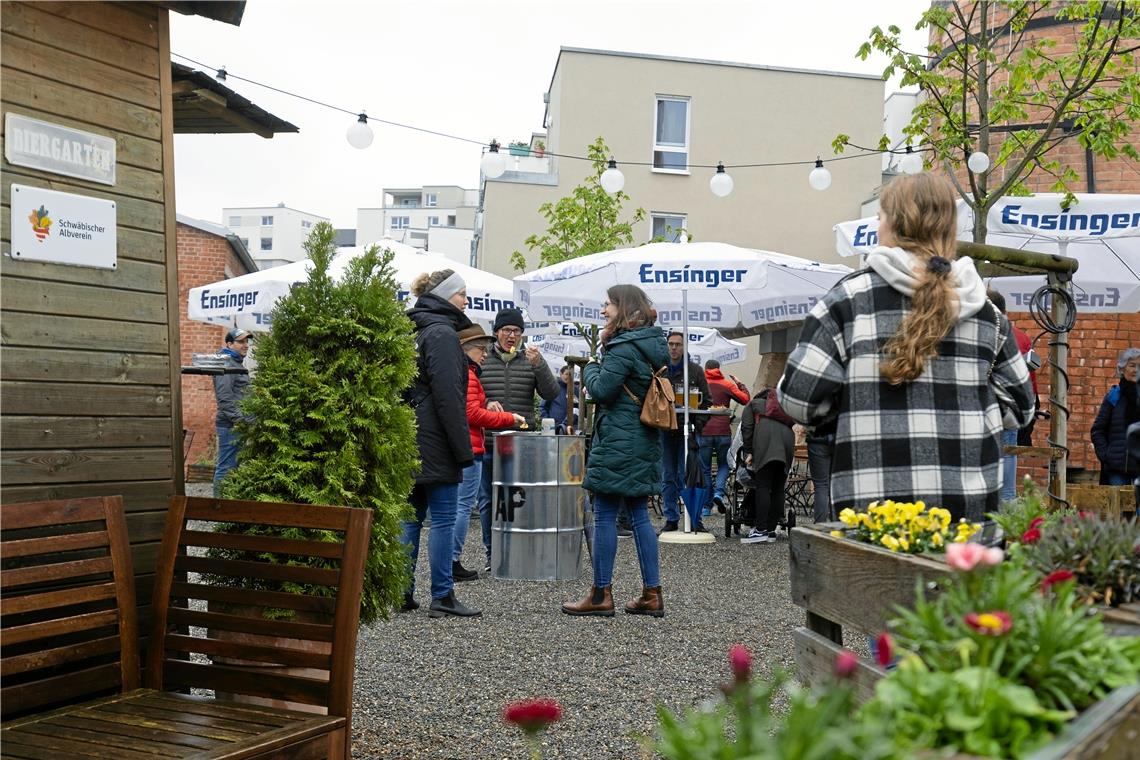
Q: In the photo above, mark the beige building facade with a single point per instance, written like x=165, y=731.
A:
x=665, y=120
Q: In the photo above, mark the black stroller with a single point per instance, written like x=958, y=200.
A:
x=740, y=501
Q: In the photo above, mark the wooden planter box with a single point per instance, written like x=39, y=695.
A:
x=848, y=586
x=1110, y=502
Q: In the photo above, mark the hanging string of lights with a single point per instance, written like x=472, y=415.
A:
x=493, y=163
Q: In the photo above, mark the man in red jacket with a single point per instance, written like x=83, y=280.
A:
x=717, y=434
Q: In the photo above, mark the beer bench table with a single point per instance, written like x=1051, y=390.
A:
x=70, y=632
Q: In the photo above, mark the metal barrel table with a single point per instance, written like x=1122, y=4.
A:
x=538, y=506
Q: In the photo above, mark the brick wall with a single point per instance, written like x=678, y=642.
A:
x=1097, y=339
x=202, y=258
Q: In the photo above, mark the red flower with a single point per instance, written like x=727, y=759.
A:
x=532, y=715
x=741, y=660
x=1086, y=515
x=1037, y=522
x=1055, y=577
x=995, y=623
x=1031, y=536
x=845, y=663
x=884, y=650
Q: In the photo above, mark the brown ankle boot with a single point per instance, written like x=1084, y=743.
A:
x=599, y=602
x=649, y=603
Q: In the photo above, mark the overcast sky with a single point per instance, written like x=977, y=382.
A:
x=468, y=67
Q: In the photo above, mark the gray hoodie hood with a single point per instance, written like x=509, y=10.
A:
x=899, y=268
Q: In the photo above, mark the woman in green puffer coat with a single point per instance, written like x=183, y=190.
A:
x=625, y=457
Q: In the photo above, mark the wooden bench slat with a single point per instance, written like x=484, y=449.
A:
x=14, y=748
x=73, y=624
x=317, y=738
x=23, y=576
x=155, y=747
x=134, y=714
x=269, y=716
x=299, y=547
x=62, y=511
x=266, y=513
x=63, y=746
x=46, y=658
x=247, y=597
x=81, y=720
x=241, y=651
x=261, y=570
x=27, y=547
x=284, y=629
x=249, y=681
x=62, y=598
x=23, y=697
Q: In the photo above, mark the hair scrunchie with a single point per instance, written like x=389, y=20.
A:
x=939, y=266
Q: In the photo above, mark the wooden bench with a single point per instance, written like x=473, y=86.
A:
x=211, y=644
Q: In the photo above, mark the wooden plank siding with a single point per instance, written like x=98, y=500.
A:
x=89, y=395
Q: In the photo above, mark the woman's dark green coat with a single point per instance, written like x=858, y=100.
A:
x=625, y=456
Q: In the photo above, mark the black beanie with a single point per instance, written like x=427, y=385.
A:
x=508, y=317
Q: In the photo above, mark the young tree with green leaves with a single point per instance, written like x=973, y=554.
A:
x=330, y=422
x=990, y=80
x=586, y=221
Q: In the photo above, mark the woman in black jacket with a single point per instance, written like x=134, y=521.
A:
x=439, y=396
x=1120, y=408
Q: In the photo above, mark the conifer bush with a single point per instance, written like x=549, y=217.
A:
x=330, y=422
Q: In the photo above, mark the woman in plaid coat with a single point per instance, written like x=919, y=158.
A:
x=914, y=363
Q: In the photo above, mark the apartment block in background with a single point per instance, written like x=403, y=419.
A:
x=437, y=218
x=273, y=234
x=678, y=117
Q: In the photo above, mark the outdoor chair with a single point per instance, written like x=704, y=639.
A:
x=67, y=604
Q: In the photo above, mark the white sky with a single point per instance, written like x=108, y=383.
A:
x=474, y=68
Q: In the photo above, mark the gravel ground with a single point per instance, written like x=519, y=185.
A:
x=428, y=688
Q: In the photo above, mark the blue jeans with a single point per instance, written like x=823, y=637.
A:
x=1008, y=467
x=468, y=493
x=672, y=474
x=438, y=499
x=819, y=466
x=484, y=500
x=720, y=444
x=1117, y=479
x=228, y=445
x=605, y=538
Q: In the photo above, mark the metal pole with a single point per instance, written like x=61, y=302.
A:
x=685, y=394
x=1059, y=392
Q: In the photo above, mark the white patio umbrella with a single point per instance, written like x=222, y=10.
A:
x=704, y=344
x=1101, y=231
x=247, y=301
x=703, y=284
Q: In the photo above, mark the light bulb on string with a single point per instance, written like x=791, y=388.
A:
x=359, y=135
x=978, y=162
x=911, y=162
x=721, y=183
x=820, y=178
x=612, y=179
x=220, y=75
x=493, y=163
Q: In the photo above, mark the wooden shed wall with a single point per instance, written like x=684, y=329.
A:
x=89, y=395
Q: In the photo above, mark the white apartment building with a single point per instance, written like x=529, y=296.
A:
x=672, y=114
x=273, y=235
x=436, y=218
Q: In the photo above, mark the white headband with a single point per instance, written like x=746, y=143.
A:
x=449, y=287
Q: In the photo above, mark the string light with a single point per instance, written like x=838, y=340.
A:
x=493, y=163
x=978, y=162
x=820, y=178
x=612, y=179
x=359, y=134
x=911, y=162
x=721, y=182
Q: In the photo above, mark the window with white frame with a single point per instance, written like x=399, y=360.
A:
x=668, y=227
x=671, y=134
x=451, y=220
x=431, y=199
x=433, y=221
x=410, y=202
x=235, y=221
x=401, y=222
x=266, y=221
x=306, y=224
x=267, y=244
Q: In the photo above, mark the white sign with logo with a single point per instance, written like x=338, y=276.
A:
x=63, y=228
x=58, y=149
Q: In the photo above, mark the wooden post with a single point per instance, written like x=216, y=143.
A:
x=1059, y=393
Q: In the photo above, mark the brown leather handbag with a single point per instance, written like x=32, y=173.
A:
x=657, y=410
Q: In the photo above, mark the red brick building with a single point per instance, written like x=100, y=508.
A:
x=207, y=253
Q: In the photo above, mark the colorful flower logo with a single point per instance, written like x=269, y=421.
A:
x=41, y=223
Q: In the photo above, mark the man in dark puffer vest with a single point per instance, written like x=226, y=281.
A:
x=510, y=379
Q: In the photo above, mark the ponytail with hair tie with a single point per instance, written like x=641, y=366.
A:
x=938, y=266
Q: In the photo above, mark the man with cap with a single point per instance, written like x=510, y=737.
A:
x=229, y=390
x=510, y=379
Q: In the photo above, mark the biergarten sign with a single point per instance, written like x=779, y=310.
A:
x=58, y=149
x=63, y=228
